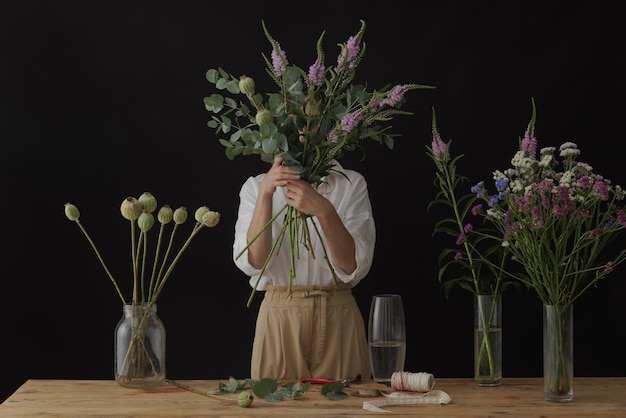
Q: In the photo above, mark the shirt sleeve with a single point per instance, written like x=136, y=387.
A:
x=247, y=201
x=352, y=202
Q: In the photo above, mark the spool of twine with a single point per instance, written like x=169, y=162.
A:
x=412, y=382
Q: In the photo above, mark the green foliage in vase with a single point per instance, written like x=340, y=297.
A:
x=482, y=263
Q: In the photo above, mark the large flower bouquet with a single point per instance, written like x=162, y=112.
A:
x=314, y=118
x=557, y=217
x=138, y=359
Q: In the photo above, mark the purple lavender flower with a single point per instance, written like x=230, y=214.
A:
x=349, y=54
x=440, y=149
x=395, y=95
x=279, y=59
x=529, y=143
x=350, y=121
x=316, y=72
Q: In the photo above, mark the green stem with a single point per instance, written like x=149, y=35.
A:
x=93, y=245
x=138, y=354
x=196, y=229
x=485, y=345
x=276, y=244
x=156, y=261
x=199, y=392
x=261, y=231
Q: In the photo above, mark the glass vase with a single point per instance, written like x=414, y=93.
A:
x=558, y=353
x=140, y=347
x=487, y=340
x=386, y=336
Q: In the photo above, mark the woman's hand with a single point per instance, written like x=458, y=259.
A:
x=301, y=195
x=278, y=175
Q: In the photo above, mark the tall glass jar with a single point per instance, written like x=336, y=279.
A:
x=488, y=340
x=140, y=347
x=558, y=353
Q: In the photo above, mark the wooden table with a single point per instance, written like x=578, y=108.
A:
x=518, y=397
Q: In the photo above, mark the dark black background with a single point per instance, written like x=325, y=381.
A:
x=101, y=100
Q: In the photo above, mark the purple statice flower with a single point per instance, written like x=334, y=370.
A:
x=601, y=190
x=468, y=227
x=609, y=268
x=460, y=238
x=597, y=234
x=440, y=149
x=562, y=202
x=479, y=189
x=458, y=255
x=279, y=60
x=395, y=95
x=316, y=72
x=621, y=218
x=478, y=209
x=501, y=184
x=609, y=223
x=584, y=181
x=537, y=217
x=493, y=200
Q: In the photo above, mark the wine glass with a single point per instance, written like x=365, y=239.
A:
x=387, y=336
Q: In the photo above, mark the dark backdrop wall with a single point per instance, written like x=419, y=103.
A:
x=101, y=100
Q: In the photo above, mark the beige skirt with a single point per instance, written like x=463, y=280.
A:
x=314, y=332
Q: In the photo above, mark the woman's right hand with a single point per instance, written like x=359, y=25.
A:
x=277, y=176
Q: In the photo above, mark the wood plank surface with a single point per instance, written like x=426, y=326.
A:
x=516, y=397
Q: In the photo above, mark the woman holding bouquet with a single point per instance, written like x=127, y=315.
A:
x=314, y=328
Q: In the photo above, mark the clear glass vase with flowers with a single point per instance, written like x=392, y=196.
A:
x=477, y=262
x=558, y=218
x=314, y=118
x=140, y=334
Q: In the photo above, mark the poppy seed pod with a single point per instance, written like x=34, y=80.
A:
x=180, y=215
x=130, y=208
x=165, y=215
x=246, y=85
x=148, y=202
x=71, y=212
x=245, y=399
x=145, y=221
x=210, y=218
x=263, y=116
x=200, y=212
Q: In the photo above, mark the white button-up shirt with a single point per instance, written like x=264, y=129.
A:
x=350, y=198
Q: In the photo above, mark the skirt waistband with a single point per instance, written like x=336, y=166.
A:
x=308, y=291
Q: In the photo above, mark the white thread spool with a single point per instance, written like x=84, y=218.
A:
x=412, y=382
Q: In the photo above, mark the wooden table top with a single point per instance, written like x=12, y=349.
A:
x=516, y=397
